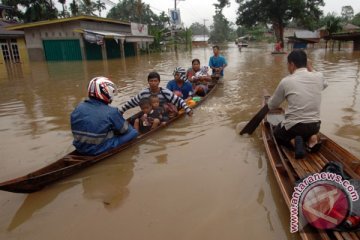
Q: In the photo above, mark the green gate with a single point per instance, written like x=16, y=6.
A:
x=62, y=50
x=112, y=49
x=129, y=49
x=93, y=51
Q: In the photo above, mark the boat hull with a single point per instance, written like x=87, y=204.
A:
x=75, y=162
x=287, y=170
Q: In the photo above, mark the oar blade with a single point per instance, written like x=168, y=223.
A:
x=255, y=121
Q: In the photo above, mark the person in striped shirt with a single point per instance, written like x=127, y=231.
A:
x=165, y=95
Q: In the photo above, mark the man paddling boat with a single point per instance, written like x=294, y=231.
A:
x=302, y=91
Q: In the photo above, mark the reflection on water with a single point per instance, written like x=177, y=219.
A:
x=108, y=184
x=199, y=168
x=34, y=202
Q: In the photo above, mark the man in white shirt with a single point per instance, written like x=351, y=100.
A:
x=302, y=91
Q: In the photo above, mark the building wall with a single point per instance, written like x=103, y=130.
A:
x=102, y=26
x=1, y=58
x=24, y=58
x=20, y=42
x=35, y=36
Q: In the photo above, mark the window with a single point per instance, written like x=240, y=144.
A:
x=5, y=52
x=15, y=52
x=10, y=50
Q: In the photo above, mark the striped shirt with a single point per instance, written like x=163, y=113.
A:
x=164, y=95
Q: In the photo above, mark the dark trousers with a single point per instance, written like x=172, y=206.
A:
x=305, y=130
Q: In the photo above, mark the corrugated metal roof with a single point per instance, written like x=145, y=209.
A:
x=200, y=38
x=350, y=26
x=5, y=32
x=304, y=34
x=54, y=21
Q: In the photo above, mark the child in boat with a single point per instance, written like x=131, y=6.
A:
x=201, y=87
x=155, y=104
x=148, y=118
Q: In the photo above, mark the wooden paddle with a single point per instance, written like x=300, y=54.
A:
x=255, y=121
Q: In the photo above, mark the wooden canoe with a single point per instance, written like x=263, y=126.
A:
x=74, y=162
x=277, y=52
x=287, y=169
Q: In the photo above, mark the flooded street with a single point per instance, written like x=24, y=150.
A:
x=197, y=179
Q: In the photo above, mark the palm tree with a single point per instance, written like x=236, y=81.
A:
x=333, y=25
x=74, y=8
x=87, y=7
x=63, y=6
x=98, y=5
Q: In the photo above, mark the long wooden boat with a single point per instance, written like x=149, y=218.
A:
x=278, y=52
x=74, y=161
x=288, y=170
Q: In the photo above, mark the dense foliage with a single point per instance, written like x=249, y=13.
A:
x=278, y=13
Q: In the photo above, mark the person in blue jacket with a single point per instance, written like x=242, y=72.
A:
x=217, y=62
x=179, y=83
x=96, y=126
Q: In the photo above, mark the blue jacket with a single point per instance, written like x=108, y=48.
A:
x=98, y=127
x=185, y=89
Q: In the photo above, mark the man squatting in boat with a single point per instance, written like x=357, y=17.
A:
x=96, y=126
x=302, y=90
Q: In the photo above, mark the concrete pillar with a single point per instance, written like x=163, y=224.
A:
x=103, y=50
x=357, y=44
x=122, y=48
x=82, y=48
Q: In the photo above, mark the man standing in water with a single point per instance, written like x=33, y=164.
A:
x=217, y=62
x=302, y=91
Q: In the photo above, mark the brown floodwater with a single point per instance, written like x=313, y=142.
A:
x=197, y=179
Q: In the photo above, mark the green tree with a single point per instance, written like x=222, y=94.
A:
x=333, y=24
x=220, y=30
x=64, y=13
x=87, y=7
x=356, y=20
x=38, y=10
x=15, y=13
x=133, y=11
x=74, y=8
x=99, y=6
x=199, y=29
x=278, y=13
x=162, y=20
x=347, y=12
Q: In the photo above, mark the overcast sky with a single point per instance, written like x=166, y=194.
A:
x=197, y=11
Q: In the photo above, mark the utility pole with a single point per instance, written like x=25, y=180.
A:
x=173, y=30
x=205, y=27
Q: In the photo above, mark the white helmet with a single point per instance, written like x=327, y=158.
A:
x=102, y=88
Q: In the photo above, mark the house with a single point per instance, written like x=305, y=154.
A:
x=348, y=27
x=301, y=38
x=12, y=43
x=200, y=40
x=82, y=38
